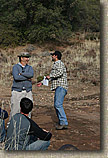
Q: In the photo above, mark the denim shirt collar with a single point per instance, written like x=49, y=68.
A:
x=21, y=65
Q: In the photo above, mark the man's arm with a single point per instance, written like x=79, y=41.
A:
x=17, y=75
x=28, y=74
x=56, y=72
x=39, y=132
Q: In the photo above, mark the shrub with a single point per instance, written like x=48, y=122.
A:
x=9, y=36
x=40, y=78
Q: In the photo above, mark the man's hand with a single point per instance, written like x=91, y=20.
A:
x=45, y=130
x=39, y=84
x=48, y=77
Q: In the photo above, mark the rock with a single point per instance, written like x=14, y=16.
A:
x=30, y=48
x=44, y=54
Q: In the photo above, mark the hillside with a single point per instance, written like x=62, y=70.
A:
x=82, y=103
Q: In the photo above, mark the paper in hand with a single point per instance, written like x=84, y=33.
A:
x=45, y=81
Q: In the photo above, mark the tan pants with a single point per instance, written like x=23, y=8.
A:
x=15, y=101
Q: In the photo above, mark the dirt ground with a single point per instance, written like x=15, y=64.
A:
x=82, y=107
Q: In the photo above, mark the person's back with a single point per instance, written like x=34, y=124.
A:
x=23, y=133
x=17, y=133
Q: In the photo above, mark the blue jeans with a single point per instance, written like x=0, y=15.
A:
x=60, y=93
x=2, y=130
x=38, y=145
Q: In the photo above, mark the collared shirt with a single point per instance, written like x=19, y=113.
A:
x=22, y=81
x=21, y=64
x=58, y=75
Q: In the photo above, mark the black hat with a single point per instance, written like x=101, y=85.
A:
x=24, y=54
x=58, y=54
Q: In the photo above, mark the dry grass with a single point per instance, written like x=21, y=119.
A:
x=82, y=60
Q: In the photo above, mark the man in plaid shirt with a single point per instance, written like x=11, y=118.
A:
x=58, y=78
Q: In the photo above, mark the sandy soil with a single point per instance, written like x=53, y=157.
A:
x=82, y=107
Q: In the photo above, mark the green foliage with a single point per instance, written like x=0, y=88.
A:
x=92, y=36
x=40, y=78
x=38, y=21
x=9, y=36
x=84, y=15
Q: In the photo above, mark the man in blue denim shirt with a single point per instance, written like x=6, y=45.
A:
x=22, y=84
x=58, y=78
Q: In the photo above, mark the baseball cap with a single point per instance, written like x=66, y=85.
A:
x=57, y=53
x=24, y=54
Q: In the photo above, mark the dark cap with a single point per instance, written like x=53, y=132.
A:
x=58, y=54
x=24, y=54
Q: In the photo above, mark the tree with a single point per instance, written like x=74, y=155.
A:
x=84, y=15
x=40, y=20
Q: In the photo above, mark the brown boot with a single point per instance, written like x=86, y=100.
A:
x=61, y=127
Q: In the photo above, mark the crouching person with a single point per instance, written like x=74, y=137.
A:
x=23, y=133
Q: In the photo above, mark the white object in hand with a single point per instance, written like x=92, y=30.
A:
x=45, y=81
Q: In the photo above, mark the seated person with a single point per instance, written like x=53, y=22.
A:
x=3, y=116
x=23, y=133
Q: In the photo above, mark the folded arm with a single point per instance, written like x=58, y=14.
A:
x=28, y=74
x=22, y=76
